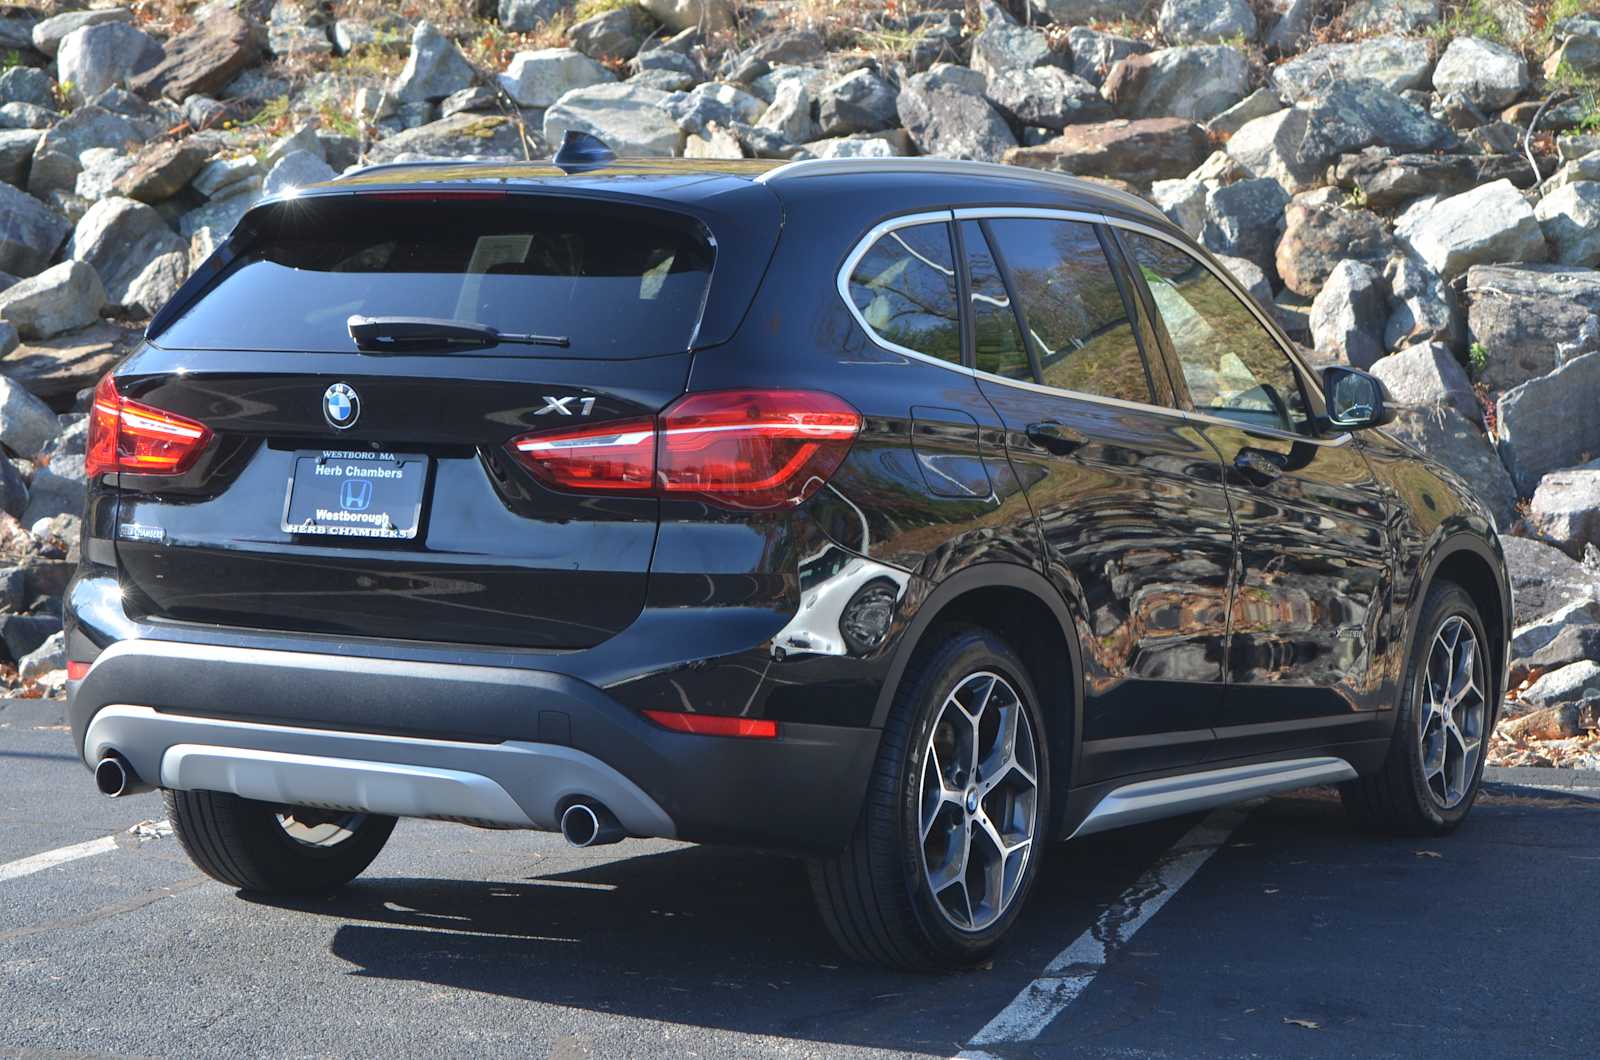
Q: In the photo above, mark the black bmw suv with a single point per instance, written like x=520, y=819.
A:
x=902, y=514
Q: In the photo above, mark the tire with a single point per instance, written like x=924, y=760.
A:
x=243, y=843
x=1404, y=797
x=878, y=896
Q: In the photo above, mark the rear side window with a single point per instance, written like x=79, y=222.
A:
x=619, y=282
x=996, y=339
x=1076, y=316
x=905, y=289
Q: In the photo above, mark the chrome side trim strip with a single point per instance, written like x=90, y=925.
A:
x=842, y=281
x=1152, y=800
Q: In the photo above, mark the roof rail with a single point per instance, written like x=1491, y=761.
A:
x=820, y=167
x=416, y=164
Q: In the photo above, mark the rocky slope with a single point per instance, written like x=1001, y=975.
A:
x=1413, y=186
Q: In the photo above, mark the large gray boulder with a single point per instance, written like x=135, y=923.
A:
x=26, y=423
x=861, y=101
x=1428, y=374
x=49, y=33
x=714, y=102
x=1549, y=423
x=1565, y=509
x=1196, y=21
x=615, y=34
x=520, y=16
x=16, y=155
x=539, y=78
x=1078, y=12
x=1422, y=307
x=24, y=84
x=1488, y=224
x=1545, y=583
x=1535, y=632
x=1386, y=180
x=1348, y=314
x=953, y=123
x=1445, y=436
x=202, y=60
x=1521, y=314
x=1285, y=24
x=1250, y=277
x=56, y=162
x=59, y=299
x=1003, y=45
x=628, y=117
x=1396, y=63
x=434, y=69
x=1317, y=236
x=789, y=113
x=463, y=135
x=120, y=238
x=161, y=170
x=1095, y=52
x=157, y=282
x=1296, y=146
x=709, y=16
x=1244, y=219
x=1258, y=104
x=1566, y=684
x=30, y=232
x=1570, y=219
x=1490, y=75
x=1046, y=97
x=1197, y=82
x=1401, y=16
x=95, y=58
x=297, y=169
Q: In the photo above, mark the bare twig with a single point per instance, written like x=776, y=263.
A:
x=1527, y=137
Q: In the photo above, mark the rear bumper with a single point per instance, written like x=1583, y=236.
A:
x=484, y=744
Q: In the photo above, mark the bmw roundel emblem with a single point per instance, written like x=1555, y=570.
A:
x=341, y=406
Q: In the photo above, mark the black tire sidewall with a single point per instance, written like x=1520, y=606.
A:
x=963, y=654
x=1446, y=603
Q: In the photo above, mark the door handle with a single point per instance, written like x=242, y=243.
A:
x=1259, y=466
x=1055, y=437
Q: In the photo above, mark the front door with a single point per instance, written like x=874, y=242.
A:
x=1128, y=495
x=1313, y=547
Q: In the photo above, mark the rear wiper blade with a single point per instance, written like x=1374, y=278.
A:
x=403, y=334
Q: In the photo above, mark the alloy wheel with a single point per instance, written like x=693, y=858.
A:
x=1451, y=716
x=979, y=801
x=319, y=828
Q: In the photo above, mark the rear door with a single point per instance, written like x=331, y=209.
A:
x=1128, y=495
x=1313, y=541
x=378, y=493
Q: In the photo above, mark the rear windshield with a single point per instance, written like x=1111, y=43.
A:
x=618, y=281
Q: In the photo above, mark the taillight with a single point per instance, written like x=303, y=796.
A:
x=736, y=448
x=128, y=435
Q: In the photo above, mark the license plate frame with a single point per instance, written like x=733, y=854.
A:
x=355, y=493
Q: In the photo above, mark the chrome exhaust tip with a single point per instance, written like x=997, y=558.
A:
x=114, y=776
x=590, y=825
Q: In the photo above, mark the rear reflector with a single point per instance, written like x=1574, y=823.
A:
x=748, y=449
x=714, y=724
x=76, y=670
x=127, y=435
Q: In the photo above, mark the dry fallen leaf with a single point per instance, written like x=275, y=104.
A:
x=1310, y=1025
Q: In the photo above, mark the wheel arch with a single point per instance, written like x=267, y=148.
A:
x=1477, y=565
x=1022, y=606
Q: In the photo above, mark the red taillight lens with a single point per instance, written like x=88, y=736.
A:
x=127, y=435
x=77, y=671
x=754, y=448
x=737, y=448
x=614, y=456
x=714, y=724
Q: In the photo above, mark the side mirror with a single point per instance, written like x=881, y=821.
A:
x=1355, y=399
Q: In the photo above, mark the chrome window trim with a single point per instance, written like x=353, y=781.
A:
x=868, y=241
x=878, y=231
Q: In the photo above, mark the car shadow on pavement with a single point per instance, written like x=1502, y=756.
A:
x=708, y=937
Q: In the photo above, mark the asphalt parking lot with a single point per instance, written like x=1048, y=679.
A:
x=1270, y=931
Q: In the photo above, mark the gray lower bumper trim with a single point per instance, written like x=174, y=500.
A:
x=514, y=784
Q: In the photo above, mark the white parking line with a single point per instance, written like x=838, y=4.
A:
x=1074, y=968
x=60, y=856
x=144, y=831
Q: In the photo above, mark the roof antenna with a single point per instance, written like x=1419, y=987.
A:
x=581, y=151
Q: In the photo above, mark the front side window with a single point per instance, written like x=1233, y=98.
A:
x=905, y=289
x=1231, y=364
x=1077, y=319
